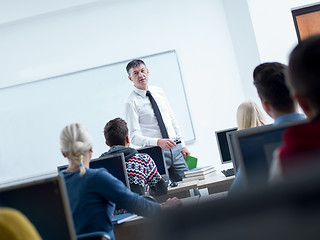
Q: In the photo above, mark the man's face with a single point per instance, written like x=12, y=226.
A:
x=139, y=76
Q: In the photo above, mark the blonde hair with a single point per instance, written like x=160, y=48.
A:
x=250, y=115
x=75, y=140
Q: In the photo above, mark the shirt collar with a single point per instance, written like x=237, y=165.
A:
x=140, y=92
x=289, y=117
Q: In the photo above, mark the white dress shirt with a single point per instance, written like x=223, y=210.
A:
x=142, y=123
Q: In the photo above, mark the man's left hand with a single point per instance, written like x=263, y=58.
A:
x=185, y=152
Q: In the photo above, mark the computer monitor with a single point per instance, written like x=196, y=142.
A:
x=254, y=148
x=45, y=203
x=223, y=145
x=156, y=153
x=232, y=152
x=113, y=163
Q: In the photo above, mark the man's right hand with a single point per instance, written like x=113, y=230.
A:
x=166, y=143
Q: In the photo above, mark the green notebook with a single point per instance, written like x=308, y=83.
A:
x=191, y=162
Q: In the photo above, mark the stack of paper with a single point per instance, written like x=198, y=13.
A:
x=198, y=173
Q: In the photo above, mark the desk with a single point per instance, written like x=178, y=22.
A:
x=216, y=183
x=181, y=191
x=133, y=229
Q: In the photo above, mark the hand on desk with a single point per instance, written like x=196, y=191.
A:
x=171, y=203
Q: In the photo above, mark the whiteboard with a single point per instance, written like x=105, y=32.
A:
x=33, y=114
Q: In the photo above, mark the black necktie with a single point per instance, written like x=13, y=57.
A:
x=157, y=112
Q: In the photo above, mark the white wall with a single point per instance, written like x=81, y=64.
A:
x=111, y=31
x=15, y=10
x=245, y=44
x=274, y=28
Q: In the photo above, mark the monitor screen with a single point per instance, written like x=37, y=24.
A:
x=113, y=163
x=232, y=151
x=156, y=154
x=223, y=145
x=254, y=150
x=44, y=202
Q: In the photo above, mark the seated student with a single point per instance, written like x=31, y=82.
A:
x=301, y=143
x=269, y=80
x=93, y=193
x=248, y=115
x=141, y=168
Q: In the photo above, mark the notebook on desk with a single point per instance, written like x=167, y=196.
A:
x=121, y=218
x=45, y=203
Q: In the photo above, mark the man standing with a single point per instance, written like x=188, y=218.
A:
x=151, y=121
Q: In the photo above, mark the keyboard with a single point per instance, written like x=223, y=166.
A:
x=228, y=172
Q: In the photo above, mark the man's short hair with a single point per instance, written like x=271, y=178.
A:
x=269, y=79
x=134, y=63
x=304, y=70
x=115, y=132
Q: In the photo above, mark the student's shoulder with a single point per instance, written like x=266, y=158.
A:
x=98, y=173
x=144, y=157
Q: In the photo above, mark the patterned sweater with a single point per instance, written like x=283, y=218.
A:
x=142, y=171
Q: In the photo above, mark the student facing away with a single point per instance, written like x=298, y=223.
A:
x=269, y=80
x=142, y=170
x=249, y=115
x=93, y=193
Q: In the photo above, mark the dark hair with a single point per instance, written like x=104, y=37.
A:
x=134, y=63
x=269, y=79
x=304, y=69
x=115, y=132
